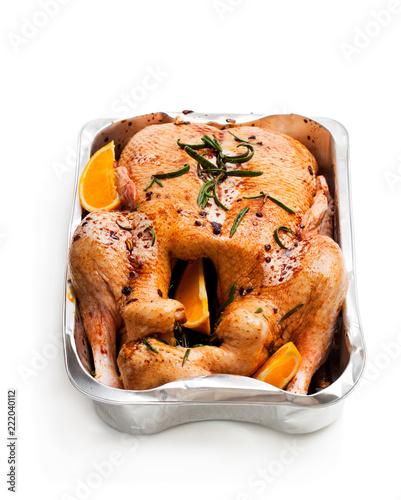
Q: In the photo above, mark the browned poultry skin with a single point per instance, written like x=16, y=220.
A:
x=311, y=271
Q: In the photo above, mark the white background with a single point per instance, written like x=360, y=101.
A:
x=307, y=57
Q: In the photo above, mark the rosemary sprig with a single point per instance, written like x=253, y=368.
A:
x=206, y=169
x=192, y=146
x=261, y=195
x=212, y=144
x=231, y=297
x=153, y=180
x=216, y=198
x=199, y=158
x=202, y=198
x=281, y=204
x=241, y=158
x=238, y=219
x=152, y=232
x=237, y=138
x=287, y=315
x=277, y=237
x=274, y=200
x=127, y=228
x=149, y=346
x=244, y=173
x=167, y=175
x=171, y=175
x=185, y=356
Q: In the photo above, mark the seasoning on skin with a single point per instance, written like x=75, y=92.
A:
x=310, y=170
x=268, y=248
x=216, y=227
x=126, y=290
x=160, y=293
x=187, y=111
x=252, y=137
x=268, y=259
x=249, y=289
x=202, y=214
x=179, y=210
x=275, y=310
x=129, y=245
x=132, y=274
x=259, y=214
x=302, y=226
x=131, y=300
x=230, y=120
x=113, y=235
x=198, y=223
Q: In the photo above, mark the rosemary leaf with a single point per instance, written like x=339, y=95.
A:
x=287, y=315
x=261, y=195
x=192, y=146
x=224, y=305
x=277, y=237
x=158, y=181
x=152, y=232
x=199, y=158
x=127, y=228
x=185, y=356
x=149, y=346
x=238, y=219
x=258, y=310
x=171, y=175
x=281, y=204
x=216, y=198
x=150, y=184
x=244, y=173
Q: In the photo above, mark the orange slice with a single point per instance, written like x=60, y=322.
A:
x=280, y=368
x=97, y=189
x=191, y=292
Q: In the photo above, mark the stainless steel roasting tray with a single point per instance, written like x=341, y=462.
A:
x=225, y=397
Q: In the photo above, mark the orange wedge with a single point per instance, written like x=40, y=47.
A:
x=97, y=189
x=191, y=292
x=280, y=368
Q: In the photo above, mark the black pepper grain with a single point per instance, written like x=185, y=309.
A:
x=126, y=290
x=160, y=292
x=249, y=289
x=202, y=214
x=259, y=214
x=268, y=259
x=198, y=223
x=275, y=310
x=268, y=248
x=310, y=170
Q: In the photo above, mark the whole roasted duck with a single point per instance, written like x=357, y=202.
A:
x=267, y=232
